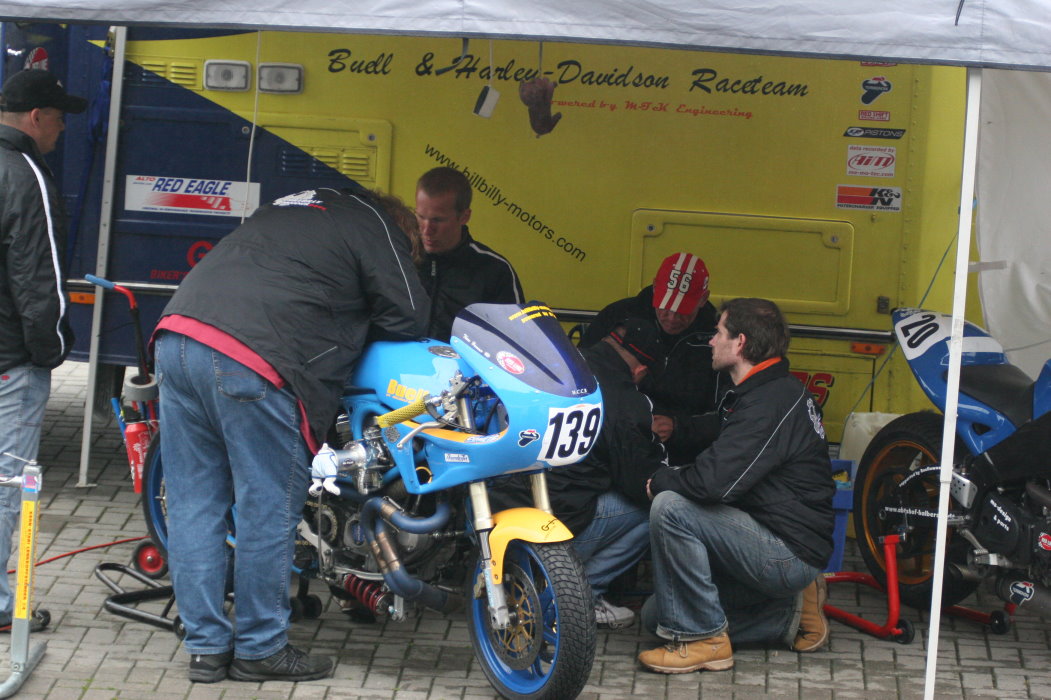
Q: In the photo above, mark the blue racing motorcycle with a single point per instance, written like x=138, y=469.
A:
x=426, y=426
x=1000, y=516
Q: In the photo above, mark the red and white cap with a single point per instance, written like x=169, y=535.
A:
x=681, y=284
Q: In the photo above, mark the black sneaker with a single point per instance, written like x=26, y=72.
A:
x=37, y=622
x=289, y=664
x=209, y=668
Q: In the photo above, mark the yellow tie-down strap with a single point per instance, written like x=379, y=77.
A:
x=401, y=415
x=526, y=524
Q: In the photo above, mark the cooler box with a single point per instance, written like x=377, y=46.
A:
x=842, y=504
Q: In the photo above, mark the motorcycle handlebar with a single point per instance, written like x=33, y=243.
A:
x=105, y=284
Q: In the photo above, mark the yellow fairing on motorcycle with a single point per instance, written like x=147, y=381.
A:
x=527, y=524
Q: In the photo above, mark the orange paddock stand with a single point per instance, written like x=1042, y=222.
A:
x=896, y=628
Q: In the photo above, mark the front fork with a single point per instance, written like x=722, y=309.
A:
x=536, y=524
x=499, y=618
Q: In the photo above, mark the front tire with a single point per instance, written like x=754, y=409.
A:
x=901, y=448
x=548, y=649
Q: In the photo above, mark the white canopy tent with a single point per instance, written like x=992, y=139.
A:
x=981, y=33
x=1005, y=34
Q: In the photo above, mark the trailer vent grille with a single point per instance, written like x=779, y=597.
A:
x=159, y=72
x=356, y=164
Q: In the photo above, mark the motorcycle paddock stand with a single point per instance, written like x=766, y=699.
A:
x=897, y=628
x=125, y=603
x=998, y=621
x=25, y=656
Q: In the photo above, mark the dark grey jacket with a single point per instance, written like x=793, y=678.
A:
x=770, y=460
x=301, y=282
x=33, y=305
x=625, y=456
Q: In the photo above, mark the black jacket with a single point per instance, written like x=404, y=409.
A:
x=33, y=305
x=770, y=460
x=688, y=387
x=624, y=457
x=469, y=273
x=301, y=281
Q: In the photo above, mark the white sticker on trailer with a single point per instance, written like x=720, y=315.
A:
x=185, y=195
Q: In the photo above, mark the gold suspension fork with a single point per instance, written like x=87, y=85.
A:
x=499, y=617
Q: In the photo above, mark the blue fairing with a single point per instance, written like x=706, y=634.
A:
x=924, y=338
x=536, y=404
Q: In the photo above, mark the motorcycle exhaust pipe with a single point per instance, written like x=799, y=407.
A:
x=408, y=587
x=1022, y=592
x=386, y=554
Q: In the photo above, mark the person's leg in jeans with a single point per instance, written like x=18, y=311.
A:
x=24, y=391
x=714, y=567
x=233, y=433
x=614, y=541
x=199, y=493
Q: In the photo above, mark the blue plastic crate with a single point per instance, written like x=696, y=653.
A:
x=842, y=504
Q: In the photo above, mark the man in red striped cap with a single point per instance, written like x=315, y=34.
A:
x=687, y=389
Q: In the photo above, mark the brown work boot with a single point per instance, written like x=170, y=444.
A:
x=711, y=654
x=813, y=625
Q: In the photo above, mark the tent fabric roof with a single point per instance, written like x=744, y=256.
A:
x=988, y=33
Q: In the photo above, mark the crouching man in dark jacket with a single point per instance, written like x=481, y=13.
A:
x=740, y=537
x=602, y=499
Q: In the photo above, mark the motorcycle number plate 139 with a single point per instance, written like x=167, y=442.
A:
x=570, y=433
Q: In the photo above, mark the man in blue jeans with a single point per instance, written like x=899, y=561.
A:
x=34, y=330
x=602, y=499
x=252, y=353
x=739, y=538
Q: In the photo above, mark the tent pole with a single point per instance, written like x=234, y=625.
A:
x=102, y=254
x=959, y=304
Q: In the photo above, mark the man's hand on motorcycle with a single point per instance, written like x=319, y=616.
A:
x=323, y=471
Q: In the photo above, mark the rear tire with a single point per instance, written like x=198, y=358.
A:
x=154, y=506
x=898, y=450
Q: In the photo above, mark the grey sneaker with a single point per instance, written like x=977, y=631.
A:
x=289, y=664
x=612, y=616
x=209, y=668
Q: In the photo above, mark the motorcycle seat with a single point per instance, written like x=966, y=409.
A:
x=1004, y=388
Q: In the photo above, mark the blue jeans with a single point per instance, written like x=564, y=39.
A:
x=23, y=397
x=614, y=541
x=716, y=569
x=229, y=435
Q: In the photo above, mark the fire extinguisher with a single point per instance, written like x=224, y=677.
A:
x=136, y=441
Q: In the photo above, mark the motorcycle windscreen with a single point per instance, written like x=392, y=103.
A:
x=527, y=342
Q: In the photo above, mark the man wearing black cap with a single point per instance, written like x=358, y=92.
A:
x=602, y=499
x=34, y=331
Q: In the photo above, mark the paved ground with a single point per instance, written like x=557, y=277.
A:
x=95, y=655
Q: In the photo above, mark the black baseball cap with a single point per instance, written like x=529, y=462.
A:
x=642, y=338
x=34, y=89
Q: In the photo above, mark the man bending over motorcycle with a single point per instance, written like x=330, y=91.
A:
x=740, y=536
x=251, y=355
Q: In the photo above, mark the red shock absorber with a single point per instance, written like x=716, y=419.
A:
x=368, y=593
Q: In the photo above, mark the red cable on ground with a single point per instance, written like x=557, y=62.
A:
x=85, y=549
